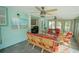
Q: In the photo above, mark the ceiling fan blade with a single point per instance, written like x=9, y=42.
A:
x=51, y=10
x=35, y=12
x=49, y=14
x=38, y=8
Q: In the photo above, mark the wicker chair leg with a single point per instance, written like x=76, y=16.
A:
x=33, y=46
x=42, y=50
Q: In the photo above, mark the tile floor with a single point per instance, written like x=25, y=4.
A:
x=21, y=47
x=24, y=48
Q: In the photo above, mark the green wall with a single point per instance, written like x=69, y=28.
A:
x=9, y=35
x=0, y=35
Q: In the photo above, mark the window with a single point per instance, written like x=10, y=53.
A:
x=3, y=16
x=67, y=26
x=52, y=24
x=58, y=24
x=64, y=27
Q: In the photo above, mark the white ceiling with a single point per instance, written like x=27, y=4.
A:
x=65, y=12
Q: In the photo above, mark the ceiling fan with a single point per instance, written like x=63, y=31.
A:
x=44, y=12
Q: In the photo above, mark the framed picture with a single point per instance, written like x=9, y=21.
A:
x=3, y=16
x=19, y=23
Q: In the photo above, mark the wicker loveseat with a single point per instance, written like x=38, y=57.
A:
x=43, y=41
